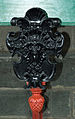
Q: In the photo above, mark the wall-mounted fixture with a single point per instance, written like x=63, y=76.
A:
x=38, y=45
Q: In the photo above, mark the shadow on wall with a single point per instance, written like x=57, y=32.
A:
x=59, y=66
x=65, y=49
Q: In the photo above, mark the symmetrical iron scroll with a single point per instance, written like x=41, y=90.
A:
x=38, y=44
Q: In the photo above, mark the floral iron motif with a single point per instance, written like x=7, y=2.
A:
x=38, y=43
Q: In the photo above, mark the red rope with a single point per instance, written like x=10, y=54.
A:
x=36, y=102
x=36, y=115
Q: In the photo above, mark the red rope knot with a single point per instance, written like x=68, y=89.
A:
x=36, y=101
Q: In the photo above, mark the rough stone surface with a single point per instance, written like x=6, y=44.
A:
x=60, y=95
x=3, y=33
x=68, y=32
x=73, y=104
x=64, y=74
x=15, y=102
x=65, y=71
x=7, y=76
x=61, y=104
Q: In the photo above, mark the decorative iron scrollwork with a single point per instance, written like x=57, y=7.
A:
x=37, y=43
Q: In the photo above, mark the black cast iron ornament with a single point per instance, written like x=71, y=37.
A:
x=38, y=43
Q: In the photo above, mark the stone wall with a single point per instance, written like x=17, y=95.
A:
x=60, y=94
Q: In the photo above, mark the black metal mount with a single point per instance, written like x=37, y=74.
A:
x=38, y=44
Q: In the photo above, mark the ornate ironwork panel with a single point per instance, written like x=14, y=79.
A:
x=38, y=44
